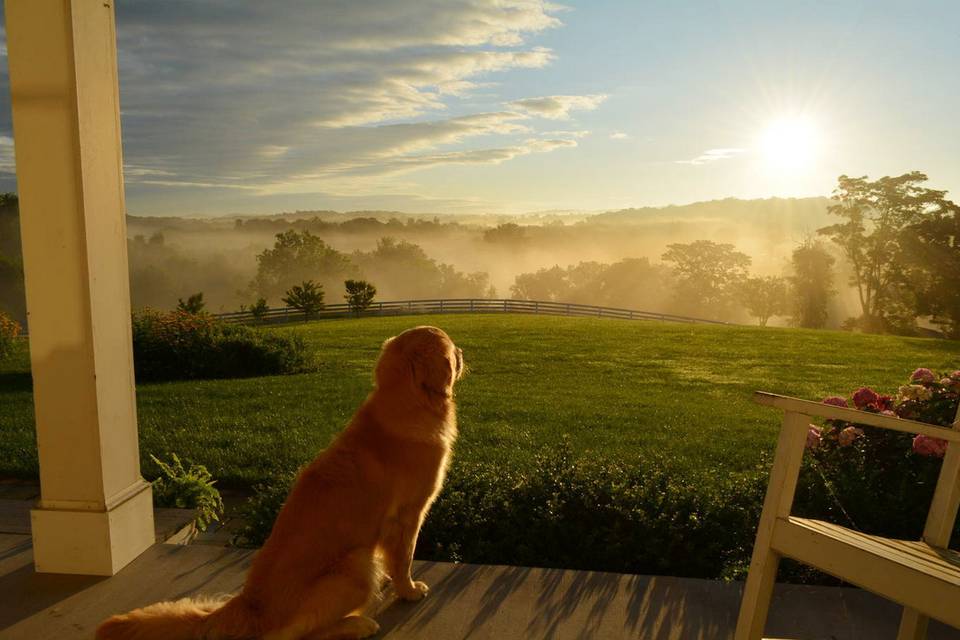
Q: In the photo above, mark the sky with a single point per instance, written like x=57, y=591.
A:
x=509, y=106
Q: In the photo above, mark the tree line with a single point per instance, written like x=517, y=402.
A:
x=889, y=247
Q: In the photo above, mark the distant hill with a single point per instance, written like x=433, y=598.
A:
x=795, y=212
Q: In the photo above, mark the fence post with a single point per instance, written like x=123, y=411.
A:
x=471, y=305
x=441, y=305
x=536, y=306
x=504, y=305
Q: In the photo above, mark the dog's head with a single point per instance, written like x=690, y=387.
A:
x=423, y=360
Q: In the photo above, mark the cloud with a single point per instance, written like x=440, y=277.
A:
x=713, y=155
x=619, y=135
x=557, y=107
x=237, y=96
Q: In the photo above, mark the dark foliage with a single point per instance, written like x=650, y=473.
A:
x=183, y=346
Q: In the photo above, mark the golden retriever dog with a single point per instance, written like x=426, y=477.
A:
x=353, y=513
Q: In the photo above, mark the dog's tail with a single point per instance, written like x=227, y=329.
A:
x=186, y=619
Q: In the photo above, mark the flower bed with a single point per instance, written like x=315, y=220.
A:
x=877, y=480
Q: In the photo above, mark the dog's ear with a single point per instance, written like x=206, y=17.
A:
x=432, y=375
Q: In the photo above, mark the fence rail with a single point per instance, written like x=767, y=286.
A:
x=458, y=305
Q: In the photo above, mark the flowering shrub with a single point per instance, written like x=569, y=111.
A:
x=9, y=329
x=877, y=480
x=179, y=345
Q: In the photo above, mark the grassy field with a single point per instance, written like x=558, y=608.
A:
x=616, y=388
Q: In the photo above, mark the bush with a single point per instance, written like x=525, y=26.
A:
x=875, y=480
x=181, y=346
x=193, y=304
x=576, y=513
x=306, y=297
x=259, y=309
x=359, y=294
x=187, y=488
x=9, y=330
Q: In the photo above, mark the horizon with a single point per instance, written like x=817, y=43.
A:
x=511, y=108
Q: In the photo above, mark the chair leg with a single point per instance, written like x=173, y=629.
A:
x=913, y=625
x=757, y=594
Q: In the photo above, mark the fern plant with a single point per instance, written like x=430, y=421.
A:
x=190, y=487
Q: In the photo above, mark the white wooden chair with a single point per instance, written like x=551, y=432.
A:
x=923, y=576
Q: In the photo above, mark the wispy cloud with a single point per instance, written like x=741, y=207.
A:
x=242, y=95
x=713, y=155
x=557, y=107
x=619, y=135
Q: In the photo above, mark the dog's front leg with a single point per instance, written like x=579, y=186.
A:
x=399, y=542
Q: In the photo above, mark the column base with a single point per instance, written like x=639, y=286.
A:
x=95, y=543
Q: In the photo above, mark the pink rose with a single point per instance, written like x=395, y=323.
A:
x=849, y=435
x=864, y=397
x=930, y=447
x=813, y=437
x=836, y=401
x=922, y=375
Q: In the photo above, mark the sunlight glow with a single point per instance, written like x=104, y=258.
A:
x=789, y=144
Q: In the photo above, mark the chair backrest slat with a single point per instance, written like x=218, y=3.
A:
x=946, y=497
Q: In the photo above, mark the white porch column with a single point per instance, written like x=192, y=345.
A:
x=95, y=513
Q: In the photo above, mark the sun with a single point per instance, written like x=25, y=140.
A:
x=789, y=143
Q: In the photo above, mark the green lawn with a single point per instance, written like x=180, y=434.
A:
x=615, y=387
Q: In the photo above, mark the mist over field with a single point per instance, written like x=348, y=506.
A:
x=172, y=257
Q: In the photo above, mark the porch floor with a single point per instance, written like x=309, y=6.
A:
x=466, y=601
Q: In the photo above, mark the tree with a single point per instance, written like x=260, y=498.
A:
x=509, y=234
x=359, y=295
x=811, y=284
x=764, y=297
x=932, y=253
x=306, y=297
x=193, y=305
x=875, y=215
x=297, y=256
x=707, y=276
x=259, y=309
x=403, y=270
x=546, y=284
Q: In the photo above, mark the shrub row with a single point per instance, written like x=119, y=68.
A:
x=576, y=513
x=179, y=345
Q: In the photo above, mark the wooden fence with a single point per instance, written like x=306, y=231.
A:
x=458, y=305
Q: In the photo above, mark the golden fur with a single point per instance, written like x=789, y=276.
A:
x=354, y=511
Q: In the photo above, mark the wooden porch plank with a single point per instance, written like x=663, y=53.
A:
x=932, y=586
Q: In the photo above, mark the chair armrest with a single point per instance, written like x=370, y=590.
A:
x=833, y=412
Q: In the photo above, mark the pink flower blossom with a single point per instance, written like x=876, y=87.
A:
x=888, y=412
x=813, y=437
x=927, y=446
x=955, y=375
x=849, y=435
x=864, y=397
x=836, y=401
x=923, y=376
x=885, y=403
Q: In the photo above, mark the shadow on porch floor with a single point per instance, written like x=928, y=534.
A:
x=466, y=602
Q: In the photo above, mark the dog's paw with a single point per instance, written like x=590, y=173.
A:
x=366, y=627
x=416, y=591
